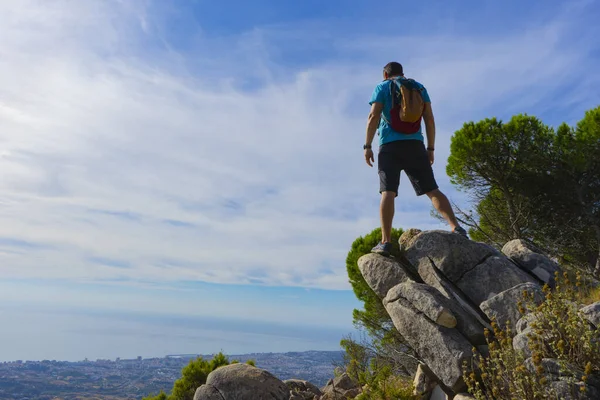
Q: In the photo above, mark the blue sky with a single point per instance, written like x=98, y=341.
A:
x=203, y=160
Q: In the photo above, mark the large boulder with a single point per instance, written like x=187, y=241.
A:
x=592, y=313
x=530, y=259
x=504, y=306
x=242, y=382
x=442, y=349
x=381, y=273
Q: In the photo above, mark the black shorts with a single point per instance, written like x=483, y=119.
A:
x=410, y=156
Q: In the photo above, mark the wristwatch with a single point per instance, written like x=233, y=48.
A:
x=366, y=146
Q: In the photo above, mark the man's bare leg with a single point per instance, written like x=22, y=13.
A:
x=441, y=203
x=386, y=213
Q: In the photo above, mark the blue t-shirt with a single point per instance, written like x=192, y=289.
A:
x=382, y=94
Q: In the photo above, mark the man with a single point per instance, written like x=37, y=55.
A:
x=403, y=151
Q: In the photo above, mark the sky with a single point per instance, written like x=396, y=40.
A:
x=188, y=176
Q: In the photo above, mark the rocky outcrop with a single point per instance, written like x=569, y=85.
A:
x=461, y=286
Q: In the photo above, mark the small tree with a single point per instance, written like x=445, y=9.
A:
x=193, y=376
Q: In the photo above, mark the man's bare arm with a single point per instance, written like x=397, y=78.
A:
x=429, y=125
x=373, y=122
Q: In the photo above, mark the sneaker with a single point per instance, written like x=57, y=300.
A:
x=461, y=231
x=383, y=249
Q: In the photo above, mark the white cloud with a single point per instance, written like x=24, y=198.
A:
x=102, y=139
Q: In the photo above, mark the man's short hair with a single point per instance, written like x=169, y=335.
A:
x=393, y=69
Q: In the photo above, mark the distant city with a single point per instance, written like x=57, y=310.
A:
x=122, y=379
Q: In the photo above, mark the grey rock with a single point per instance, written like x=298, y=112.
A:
x=551, y=368
x=572, y=391
x=493, y=276
x=342, y=387
x=245, y=382
x=592, y=313
x=553, y=371
x=504, y=306
x=425, y=299
x=452, y=254
x=438, y=394
x=423, y=382
x=469, y=321
x=381, y=273
x=530, y=259
x=298, y=385
x=344, y=382
x=442, y=349
x=526, y=321
x=463, y=396
x=207, y=392
x=521, y=342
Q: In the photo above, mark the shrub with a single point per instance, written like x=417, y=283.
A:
x=558, y=332
x=375, y=372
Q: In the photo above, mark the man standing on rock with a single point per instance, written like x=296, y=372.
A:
x=397, y=106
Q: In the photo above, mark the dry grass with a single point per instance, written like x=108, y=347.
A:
x=591, y=296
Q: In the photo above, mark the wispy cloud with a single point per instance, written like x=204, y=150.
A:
x=220, y=156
